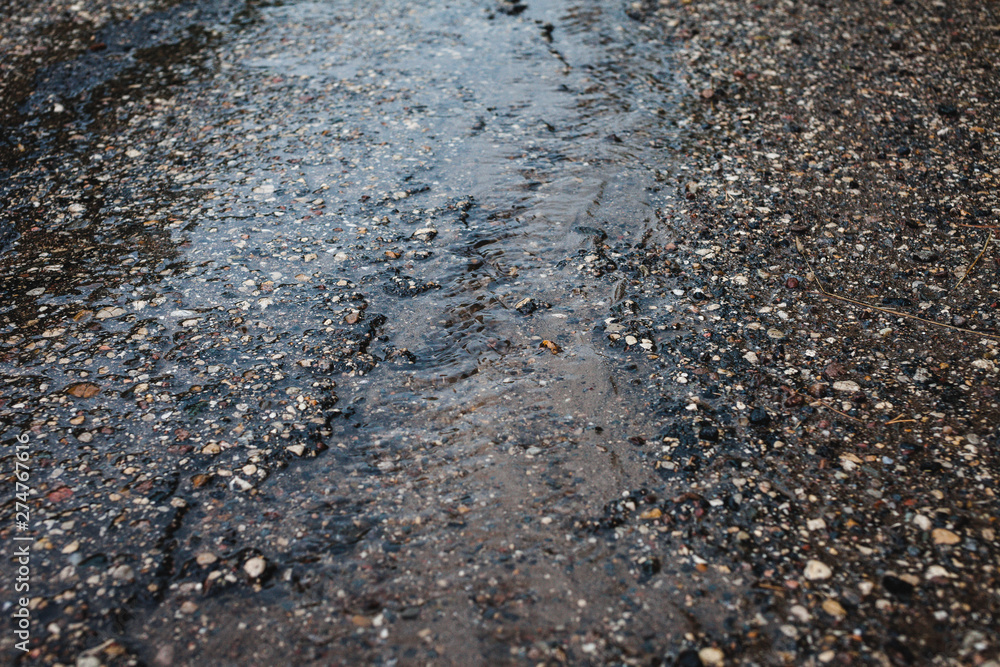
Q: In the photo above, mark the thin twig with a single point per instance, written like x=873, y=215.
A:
x=986, y=245
x=772, y=587
x=981, y=226
x=897, y=313
x=899, y=420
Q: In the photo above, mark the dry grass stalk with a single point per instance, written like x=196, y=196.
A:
x=889, y=311
x=986, y=245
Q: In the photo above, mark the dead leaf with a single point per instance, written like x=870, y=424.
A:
x=83, y=390
x=552, y=346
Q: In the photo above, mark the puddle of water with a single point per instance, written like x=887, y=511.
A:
x=527, y=161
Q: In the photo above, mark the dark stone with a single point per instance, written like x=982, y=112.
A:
x=899, y=653
x=897, y=586
x=699, y=295
x=759, y=416
x=709, y=433
x=528, y=307
x=511, y=8
x=650, y=567
x=688, y=658
x=949, y=110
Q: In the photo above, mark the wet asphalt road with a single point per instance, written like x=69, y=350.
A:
x=397, y=334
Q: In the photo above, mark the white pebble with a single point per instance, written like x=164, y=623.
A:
x=816, y=570
x=255, y=566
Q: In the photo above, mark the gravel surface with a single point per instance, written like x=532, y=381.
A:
x=500, y=333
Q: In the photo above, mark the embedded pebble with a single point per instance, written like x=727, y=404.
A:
x=255, y=566
x=425, y=233
x=712, y=657
x=206, y=558
x=817, y=570
x=846, y=385
x=834, y=608
x=944, y=536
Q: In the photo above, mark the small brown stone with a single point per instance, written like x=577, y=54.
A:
x=199, y=481
x=834, y=608
x=944, y=536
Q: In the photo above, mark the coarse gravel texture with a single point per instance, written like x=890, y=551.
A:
x=503, y=333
